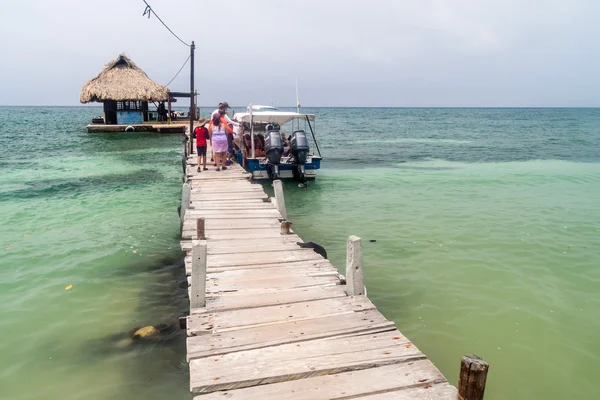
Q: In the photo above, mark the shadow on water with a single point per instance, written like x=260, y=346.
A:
x=150, y=349
x=108, y=182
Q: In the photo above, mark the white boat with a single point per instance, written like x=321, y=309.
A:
x=269, y=156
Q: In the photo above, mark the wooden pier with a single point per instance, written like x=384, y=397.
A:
x=270, y=320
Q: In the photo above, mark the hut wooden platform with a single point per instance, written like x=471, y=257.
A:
x=160, y=128
x=271, y=320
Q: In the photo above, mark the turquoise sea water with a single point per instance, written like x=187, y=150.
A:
x=486, y=221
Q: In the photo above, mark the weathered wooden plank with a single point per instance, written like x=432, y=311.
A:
x=267, y=257
x=226, y=206
x=186, y=245
x=411, y=380
x=302, y=265
x=250, y=234
x=269, y=283
x=199, y=324
x=292, y=268
x=227, y=189
x=286, y=332
x=241, y=223
x=236, y=301
x=435, y=391
x=223, y=176
x=223, y=182
x=228, y=197
x=308, y=266
x=300, y=268
x=250, y=249
x=258, y=259
x=233, y=214
x=298, y=360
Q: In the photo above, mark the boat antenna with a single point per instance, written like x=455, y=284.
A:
x=297, y=98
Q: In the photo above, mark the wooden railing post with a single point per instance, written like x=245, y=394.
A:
x=200, y=229
x=198, y=297
x=473, y=374
x=279, y=199
x=355, y=280
x=186, y=192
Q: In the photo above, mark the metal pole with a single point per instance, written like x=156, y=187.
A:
x=192, y=105
x=313, y=135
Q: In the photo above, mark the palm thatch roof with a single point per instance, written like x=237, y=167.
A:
x=122, y=80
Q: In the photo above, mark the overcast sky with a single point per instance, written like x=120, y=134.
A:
x=343, y=52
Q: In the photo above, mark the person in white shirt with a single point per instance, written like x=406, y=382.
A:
x=222, y=111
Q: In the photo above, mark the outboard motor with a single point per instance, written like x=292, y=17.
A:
x=273, y=150
x=300, y=150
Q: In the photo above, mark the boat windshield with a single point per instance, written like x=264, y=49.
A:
x=263, y=108
x=278, y=117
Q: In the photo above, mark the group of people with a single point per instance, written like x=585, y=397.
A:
x=259, y=144
x=219, y=131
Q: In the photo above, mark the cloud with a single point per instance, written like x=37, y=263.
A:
x=353, y=52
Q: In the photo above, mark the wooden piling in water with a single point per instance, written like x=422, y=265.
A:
x=200, y=224
x=472, y=379
x=355, y=277
x=279, y=198
x=199, y=253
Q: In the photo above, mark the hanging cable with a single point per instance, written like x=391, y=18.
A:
x=186, y=61
x=148, y=10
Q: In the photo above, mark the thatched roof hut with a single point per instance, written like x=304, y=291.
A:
x=122, y=80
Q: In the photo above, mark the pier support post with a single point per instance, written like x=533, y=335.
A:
x=198, y=297
x=186, y=193
x=285, y=227
x=200, y=229
x=473, y=375
x=279, y=199
x=355, y=279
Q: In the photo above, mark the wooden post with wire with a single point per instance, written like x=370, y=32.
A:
x=473, y=375
x=279, y=198
x=200, y=229
x=192, y=105
x=355, y=279
x=198, y=295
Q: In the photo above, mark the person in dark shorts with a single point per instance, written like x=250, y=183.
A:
x=201, y=134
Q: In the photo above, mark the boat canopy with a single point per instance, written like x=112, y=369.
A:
x=278, y=117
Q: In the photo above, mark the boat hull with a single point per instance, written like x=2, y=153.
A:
x=258, y=168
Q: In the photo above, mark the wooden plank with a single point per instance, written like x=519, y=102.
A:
x=298, y=360
x=320, y=268
x=198, y=324
x=257, y=233
x=242, y=223
x=253, y=248
x=286, y=332
x=252, y=233
x=222, y=183
x=186, y=245
x=436, y=391
x=233, y=214
x=277, y=282
x=228, y=189
x=312, y=265
x=232, y=260
x=303, y=265
x=225, y=206
x=224, y=176
x=411, y=380
x=258, y=259
x=228, y=197
x=237, y=301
